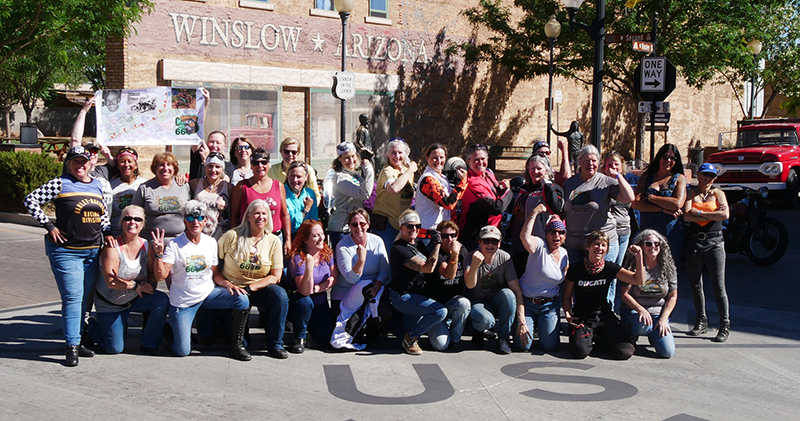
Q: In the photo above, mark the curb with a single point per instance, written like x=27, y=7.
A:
x=18, y=218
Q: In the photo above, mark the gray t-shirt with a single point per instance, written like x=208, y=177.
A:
x=162, y=206
x=492, y=277
x=619, y=211
x=586, y=207
x=652, y=295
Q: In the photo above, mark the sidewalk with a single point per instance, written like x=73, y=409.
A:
x=755, y=375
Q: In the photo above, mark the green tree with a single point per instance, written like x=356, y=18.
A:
x=705, y=39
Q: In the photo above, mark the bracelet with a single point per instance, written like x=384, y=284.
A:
x=452, y=262
x=248, y=290
x=159, y=256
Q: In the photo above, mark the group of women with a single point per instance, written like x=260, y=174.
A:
x=429, y=257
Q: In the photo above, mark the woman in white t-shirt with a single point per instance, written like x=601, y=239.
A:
x=544, y=272
x=124, y=185
x=191, y=259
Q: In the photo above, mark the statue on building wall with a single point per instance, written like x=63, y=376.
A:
x=574, y=138
x=363, y=138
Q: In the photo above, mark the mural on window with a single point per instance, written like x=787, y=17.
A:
x=325, y=128
x=250, y=111
x=378, y=8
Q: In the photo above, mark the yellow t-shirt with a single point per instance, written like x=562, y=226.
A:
x=269, y=255
x=389, y=204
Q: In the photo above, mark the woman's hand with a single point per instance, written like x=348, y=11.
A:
x=307, y=204
x=645, y=318
x=221, y=204
x=158, y=241
x=477, y=257
x=287, y=247
x=116, y=283
x=361, y=252
x=56, y=236
x=663, y=326
x=235, y=290
x=462, y=173
x=310, y=262
x=524, y=334
x=635, y=250
x=145, y=288
x=412, y=167
x=111, y=241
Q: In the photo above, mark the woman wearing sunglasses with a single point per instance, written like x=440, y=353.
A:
x=127, y=286
x=191, y=260
x=545, y=270
x=395, y=190
x=590, y=317
x=241, y=151
x=410, y=262
x=363, y=266
x=215, y=192
x=646, y=308
x=290, y=152
x=301, y=201
x=350, y=189
x=124, y=185
x=660, y=196
x=261, y=186
x=162, y=197
x=493, y=290
x=485, y=199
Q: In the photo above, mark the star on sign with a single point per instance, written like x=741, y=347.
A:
x=318, y=42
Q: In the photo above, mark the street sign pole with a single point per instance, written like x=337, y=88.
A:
x=652, y=99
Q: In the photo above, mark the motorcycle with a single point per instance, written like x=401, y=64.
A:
x=750, y=231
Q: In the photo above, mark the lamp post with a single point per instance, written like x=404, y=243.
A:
x=597, y=32
x=344, y=7
x=755, y=47
x=552, y=29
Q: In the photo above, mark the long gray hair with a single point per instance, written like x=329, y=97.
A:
x=244, y=241
x=402, y=145
x=666, y=265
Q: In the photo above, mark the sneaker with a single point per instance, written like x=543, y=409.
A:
x=502, y=347
x=278, y=353
x=700, y=327
x=722, y=333
x=411, y=345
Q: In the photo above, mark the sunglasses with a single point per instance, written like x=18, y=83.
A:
x=260, y=162
x=132, y=218
x=216, y=155
x=192, y=218
x=654, y=244
x=413, y=226
x=291, y=152
x=543, y=153
x=478, y=147
x=491, y=241
x=93, y=152
x=242, y=147
x=449, y=235
x=669, y=158
x=358, y=224
x=559, y=232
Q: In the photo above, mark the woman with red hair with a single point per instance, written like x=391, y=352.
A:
x=312, y=273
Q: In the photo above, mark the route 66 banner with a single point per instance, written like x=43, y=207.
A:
x=151, y=116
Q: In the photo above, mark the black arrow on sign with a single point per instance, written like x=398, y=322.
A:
x=654, y=83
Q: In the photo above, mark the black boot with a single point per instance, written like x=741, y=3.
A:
x=72, y=355
x=239, y=324
x=298, y=346
x=700, y=327
x=722, y=333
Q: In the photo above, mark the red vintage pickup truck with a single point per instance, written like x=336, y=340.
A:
x=258, y=128
x=767, y=153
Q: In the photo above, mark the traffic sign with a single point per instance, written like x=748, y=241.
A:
x=344, y=85
x=661, y=107
x=654, y=78
x=558, y=96
x=660, y=117
x=644, y=47
x=641, y=36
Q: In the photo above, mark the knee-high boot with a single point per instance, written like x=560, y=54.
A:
x=239, y=324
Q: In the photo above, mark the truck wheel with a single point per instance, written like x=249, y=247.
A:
x=790, y=198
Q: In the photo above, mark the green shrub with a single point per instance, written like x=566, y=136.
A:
x=22, y=173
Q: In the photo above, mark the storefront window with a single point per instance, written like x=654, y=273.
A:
x=240, y=111
x=323, y=4
x=325, y=128
x=378, y=9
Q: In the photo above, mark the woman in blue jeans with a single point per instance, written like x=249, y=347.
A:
x=544, y=272
x=312, y=273
x=614, y=164
x=646, y=308
x=410, y=262
x=191, y=259
x=73, y=242
x=126, y=286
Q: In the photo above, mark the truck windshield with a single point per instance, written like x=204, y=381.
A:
x=749, y=138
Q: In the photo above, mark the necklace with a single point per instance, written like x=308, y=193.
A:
x=593, y=268
x=211, y=187
x=705, y=194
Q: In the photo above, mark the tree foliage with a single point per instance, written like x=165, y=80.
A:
x=705, y=39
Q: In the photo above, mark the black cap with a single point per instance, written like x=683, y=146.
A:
x=76, y=152
x=91, y=147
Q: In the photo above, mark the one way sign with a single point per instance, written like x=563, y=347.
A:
x=654, y=78
x=653, y=74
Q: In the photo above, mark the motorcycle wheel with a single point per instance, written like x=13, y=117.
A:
x=769, y=244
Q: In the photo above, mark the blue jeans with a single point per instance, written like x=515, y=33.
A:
x=387, y=235
x=276, y=301
x=110, y=331
x=503, y=305
x=450, y=329
x=420, y=313
x=180, y=319
x=622, y=248
x=545, y=316
x=665, y=345
x=335, y=237
x=76, y=272
x=310, y=319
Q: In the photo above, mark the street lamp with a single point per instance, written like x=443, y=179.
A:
x=597, y=32
x=344, y=7
x=552, y=29
x=755, y=47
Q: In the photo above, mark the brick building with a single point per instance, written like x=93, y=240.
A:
x=278, y=57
